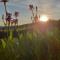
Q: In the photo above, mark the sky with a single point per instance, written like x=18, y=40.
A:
x=47, y=7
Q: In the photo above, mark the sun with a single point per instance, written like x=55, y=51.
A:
x=44, y=18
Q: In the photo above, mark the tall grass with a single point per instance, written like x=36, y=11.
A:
x=31, y=45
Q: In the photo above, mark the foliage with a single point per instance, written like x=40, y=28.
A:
x=31, y=45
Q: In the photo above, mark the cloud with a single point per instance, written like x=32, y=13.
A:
x=49, y=7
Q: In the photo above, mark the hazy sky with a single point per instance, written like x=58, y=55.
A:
x=48, y=7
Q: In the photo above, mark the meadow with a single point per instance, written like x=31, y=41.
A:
x=31, y=42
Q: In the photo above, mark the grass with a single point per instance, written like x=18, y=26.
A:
x=31, y=45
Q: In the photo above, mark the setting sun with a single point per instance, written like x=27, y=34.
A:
x=44, y=18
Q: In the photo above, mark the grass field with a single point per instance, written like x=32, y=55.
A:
x=42, y=42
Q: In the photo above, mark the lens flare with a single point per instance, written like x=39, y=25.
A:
x=44, y=18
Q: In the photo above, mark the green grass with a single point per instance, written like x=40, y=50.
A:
x=31, y=45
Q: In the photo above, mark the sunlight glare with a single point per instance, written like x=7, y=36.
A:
x=44, y=18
